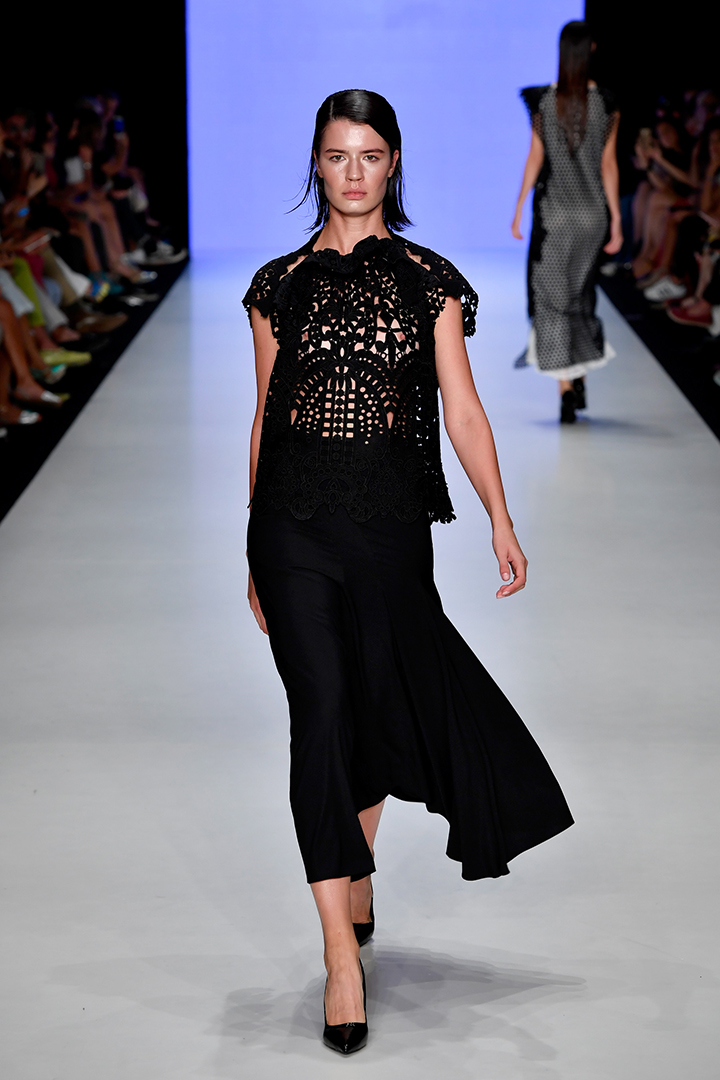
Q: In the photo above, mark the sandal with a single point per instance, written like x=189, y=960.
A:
x=50, y=374
x=10, y=414
x=45, y=397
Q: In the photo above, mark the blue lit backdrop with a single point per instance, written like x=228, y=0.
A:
x=258, y=70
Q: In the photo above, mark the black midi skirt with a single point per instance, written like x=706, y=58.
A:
x=386, y=698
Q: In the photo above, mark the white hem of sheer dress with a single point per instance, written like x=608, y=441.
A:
x=576, y=371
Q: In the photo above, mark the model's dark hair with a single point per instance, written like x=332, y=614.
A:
x=571, y=98
x=360, y=107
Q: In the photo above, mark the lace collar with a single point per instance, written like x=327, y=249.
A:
x=390, y=248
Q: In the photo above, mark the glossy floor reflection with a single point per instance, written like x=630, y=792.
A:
x=155, y=919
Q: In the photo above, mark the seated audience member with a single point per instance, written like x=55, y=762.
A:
x=86, y=189
x=699, y=246
x=75, y=230
x=141, y=232
x=23, y=362
x=661, y=198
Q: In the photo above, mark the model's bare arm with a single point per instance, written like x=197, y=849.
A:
x=472, y=439
x=611, y=183
x=265, y=352
x=533, y=165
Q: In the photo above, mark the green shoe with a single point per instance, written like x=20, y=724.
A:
x=65, y=356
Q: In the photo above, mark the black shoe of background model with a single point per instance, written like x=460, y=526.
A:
x=567, y=407
x=365, y=930
x=347, y=1038
x=579, y=389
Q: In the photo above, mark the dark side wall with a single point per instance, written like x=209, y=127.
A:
x=54, y=53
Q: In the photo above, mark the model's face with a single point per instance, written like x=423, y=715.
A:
x=355, y=163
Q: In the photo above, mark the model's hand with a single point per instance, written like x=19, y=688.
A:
x=255, y=605
x=515, y=228
x=510, y=559
x=616, y=239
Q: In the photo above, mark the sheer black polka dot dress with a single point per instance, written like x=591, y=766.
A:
x=570, y=223
x=385, y=696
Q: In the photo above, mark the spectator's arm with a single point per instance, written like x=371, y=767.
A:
x=35, y=185
x=680, y=175
x=119, y=160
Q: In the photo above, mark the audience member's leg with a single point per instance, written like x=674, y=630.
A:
x=25, y=386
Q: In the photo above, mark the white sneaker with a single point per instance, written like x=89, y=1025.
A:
x=133, y=258
x=166, y=259
x=664, y=289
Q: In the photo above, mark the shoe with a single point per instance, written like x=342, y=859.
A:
x=92, y=343
x=687, y=317
x=65, y=356
x=644, y=282
x=664, y=289
x=51, y=375
x=99, y=289
x=133, y=258
x=46, y=398
x=365, y=930
x=139, y=299
x=100, y=324
x=168, y=258
x=579, y=391
x=567, y=407
x=22, y=417
x=347, y=1038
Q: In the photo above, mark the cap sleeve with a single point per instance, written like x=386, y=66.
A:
x=609, y=99
x=263, y=287
x=532, y=96
x=452, y=283
x=446, y=280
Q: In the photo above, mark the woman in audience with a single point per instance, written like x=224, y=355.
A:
x=22, y=356
x=698, y=254
x=86, y=188
x=661, y=201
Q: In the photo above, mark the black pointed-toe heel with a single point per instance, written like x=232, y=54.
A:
x=567, y=407
x=365, y=930
x=347, y=1038
x=579, y=391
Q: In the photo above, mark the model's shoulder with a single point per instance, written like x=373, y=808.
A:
x=608, y=98
x=446, y=276
x=266, y=280
x=441, y=268
x=533, y=95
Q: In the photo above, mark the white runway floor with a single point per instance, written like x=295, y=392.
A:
x=156, y=924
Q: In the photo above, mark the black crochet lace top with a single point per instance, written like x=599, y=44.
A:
x=351, y=417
